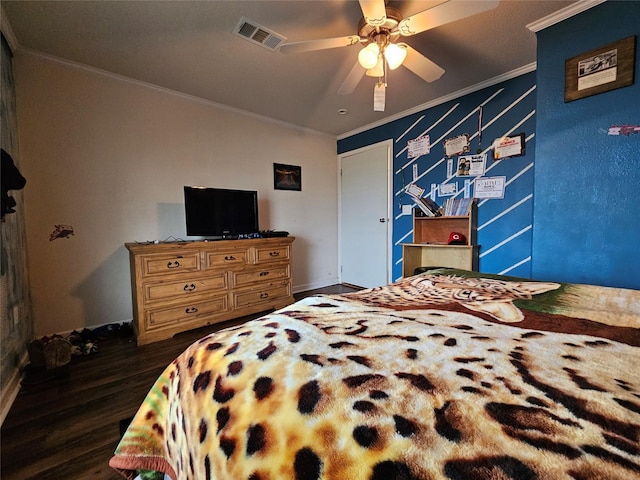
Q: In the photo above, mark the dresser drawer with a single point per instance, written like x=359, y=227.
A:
x=155, y=291
x=263, y=276
x=187, y=313
x=273, y=254
x=261, y=294
x=226, y=258
x=169, y=264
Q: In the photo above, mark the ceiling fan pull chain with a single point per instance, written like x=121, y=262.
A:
x=379, y=97
x=384, y=69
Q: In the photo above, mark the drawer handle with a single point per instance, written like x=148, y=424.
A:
x=175, y=264
x=191, y=310
x=264, y=274
x=274, y=254
x=229, y=257
x=189, y=288
x=264, y=295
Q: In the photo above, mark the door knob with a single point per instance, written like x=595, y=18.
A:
x=382, y=220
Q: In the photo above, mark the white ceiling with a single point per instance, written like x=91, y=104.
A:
x=189, y=47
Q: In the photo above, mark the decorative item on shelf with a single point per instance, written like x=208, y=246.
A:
x=428, y=206
x=456, y=238
x=456, y=207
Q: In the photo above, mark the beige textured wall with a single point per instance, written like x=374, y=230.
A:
x=110, y=157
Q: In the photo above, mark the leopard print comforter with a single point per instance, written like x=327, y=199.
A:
x=433, y=377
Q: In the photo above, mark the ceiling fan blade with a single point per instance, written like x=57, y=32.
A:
x=310, y=45
x=422, y=66
x=444, y=13
x=352, y=80
x=374, y=11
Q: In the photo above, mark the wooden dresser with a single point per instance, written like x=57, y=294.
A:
x=178, y=286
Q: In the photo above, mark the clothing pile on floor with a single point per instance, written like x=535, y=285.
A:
x=50, y=355
x=86, y=341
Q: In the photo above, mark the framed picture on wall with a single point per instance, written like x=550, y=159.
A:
x=600, y=70
x=505, y=147
x=287, y=177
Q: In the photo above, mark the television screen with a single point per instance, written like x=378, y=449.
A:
x=220, y=213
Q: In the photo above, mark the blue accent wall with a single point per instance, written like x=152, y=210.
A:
x=504, y=225
x=586, y=216
x=569, y=211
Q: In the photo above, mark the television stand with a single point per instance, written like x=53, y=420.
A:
x=178, y=286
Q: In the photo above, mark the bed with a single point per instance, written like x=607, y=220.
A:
x=445, y=375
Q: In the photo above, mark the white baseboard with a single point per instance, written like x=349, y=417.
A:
x=312, y=286
x=9, y=394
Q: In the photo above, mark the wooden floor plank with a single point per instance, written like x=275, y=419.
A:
x=68, y=427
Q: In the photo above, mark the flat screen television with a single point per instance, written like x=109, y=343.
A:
x=220, y=212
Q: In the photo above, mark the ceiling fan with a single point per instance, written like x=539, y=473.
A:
x=379, y=31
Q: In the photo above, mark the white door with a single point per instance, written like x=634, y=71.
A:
x=365, y=228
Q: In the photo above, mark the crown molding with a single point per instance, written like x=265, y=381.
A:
x=531, y=67
x=562, y=14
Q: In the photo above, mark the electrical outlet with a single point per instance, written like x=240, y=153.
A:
x=406, y=209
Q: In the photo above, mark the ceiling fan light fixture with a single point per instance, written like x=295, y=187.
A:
x=368, y=56
x=395, y=55
x=377, y=70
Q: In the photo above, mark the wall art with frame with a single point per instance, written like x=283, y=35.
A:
x=287, y=177
x=600, y=70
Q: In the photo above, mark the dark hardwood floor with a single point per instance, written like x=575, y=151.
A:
x=67, y=427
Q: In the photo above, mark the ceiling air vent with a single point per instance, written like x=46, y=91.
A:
x=258, y=34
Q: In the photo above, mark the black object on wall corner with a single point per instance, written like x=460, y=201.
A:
x=10, y=179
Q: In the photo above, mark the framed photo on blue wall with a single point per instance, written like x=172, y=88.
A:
x=600, y=70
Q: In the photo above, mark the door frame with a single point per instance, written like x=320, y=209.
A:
x=388, y=144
